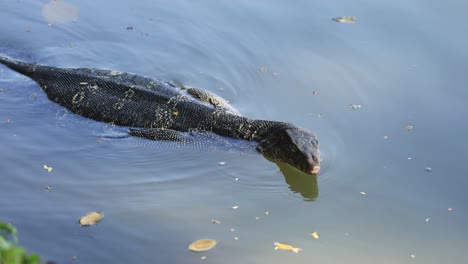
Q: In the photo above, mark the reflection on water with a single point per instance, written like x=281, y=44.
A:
x=299, y=182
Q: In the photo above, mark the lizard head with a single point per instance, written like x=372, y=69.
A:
x=293, y=145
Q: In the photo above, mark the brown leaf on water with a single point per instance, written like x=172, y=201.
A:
x=262, y=68
x=202, y=245
x=315, y=235
x=282, y=246
x=59, y=12
x=345, y=19
x=91, y=218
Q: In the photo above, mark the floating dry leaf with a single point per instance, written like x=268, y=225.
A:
x=345, y=19
x=409, y=128
x=91, y=218
x=214, y=221
x=262, y=68
x=47, y=168
x=315, y=235
x=59, y=12
x=202, y=245
x=282, y=246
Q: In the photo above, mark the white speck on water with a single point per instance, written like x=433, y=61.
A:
x=221, y=163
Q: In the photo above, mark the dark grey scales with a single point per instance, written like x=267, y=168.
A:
x=164, y=111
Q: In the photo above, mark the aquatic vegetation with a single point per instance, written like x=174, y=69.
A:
x=10, y=251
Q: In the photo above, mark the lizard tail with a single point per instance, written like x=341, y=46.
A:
x=18, y=66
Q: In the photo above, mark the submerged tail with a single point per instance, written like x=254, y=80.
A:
x=19, y=66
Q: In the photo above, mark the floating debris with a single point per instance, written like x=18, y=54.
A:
x=345, y=19
x=428, y=169
x=221, y=163
x=363, y=193
x=47, y=168
x=8, y=120
x=257, y=218
x=355, y=106
x=315, y=93
x=236, y=238
x=202, y=245
x=286, y=247
x=214, y=221
x=235, y=207
x=130, y=28
x=315, y=235
x=48, y=187
x=91, y=218
x=232, y=230
x=83, y=83
x=450, y=209
x=427, y=219
x=74, y=257
x=385, y=137
x=176, y=113
x=267, y=213
x=412, y=256
x=409, y=128
x=236, y=179
x=262, y=68
x=202, y=258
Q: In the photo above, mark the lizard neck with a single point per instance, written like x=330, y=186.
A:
x=241, y=127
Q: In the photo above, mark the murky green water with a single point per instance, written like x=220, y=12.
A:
x=375, y=201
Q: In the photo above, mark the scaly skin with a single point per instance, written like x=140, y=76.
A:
x=164, y=111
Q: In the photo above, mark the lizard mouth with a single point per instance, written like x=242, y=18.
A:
x=315, y=170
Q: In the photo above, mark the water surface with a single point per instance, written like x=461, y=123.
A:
x=375, y=201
